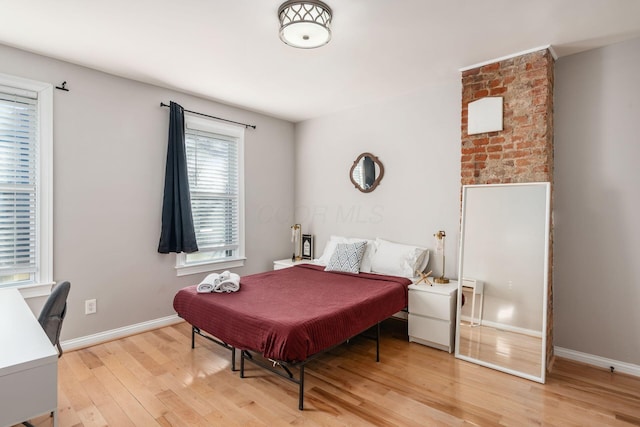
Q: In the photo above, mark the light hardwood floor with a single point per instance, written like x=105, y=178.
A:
x=515, y=351
x=156, y=379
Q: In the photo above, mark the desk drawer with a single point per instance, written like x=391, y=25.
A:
x=428, y=304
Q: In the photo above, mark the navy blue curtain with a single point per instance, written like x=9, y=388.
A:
x=177, y=234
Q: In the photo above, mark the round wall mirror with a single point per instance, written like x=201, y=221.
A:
x=366, y=172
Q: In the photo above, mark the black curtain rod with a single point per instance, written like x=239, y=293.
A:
x=162, y=104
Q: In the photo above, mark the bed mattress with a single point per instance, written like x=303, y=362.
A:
x=293, y=313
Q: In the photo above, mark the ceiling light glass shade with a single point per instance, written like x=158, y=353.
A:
x=305, y=24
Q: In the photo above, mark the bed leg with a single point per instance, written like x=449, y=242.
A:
x=193, y=337
x=301, y=392
x=233, y=359
x=241, y=363
x=378, y=342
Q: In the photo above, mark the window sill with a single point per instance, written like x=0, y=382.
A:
x=206, y=267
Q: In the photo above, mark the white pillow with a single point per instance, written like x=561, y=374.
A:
x=396, y=259
x=423, y=262
x=330, y=248
x=347, y=257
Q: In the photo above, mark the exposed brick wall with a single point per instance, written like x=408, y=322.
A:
x=523, y=150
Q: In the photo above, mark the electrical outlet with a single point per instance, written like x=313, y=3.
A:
x=90, y=306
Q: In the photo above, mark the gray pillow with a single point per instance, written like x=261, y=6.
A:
x=347, y=257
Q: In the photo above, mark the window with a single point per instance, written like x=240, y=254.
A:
x=26, y=141
x=215, y=170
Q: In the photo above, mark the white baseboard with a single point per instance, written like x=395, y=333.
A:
x=89, y=340
x=602, y=362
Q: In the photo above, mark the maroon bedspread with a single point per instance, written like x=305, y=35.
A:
x=293, y=313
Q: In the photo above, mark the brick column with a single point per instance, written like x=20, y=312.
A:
x=523, y=150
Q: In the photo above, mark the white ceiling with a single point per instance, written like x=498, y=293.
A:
x=229, y=50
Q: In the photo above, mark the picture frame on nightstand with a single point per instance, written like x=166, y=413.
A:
x=307, y=246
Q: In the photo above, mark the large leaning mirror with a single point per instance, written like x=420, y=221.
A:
x=503, y=273
x=366, y=172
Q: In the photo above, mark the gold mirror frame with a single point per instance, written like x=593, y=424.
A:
x=378, y=176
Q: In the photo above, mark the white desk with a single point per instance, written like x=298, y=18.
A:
x=28, y=364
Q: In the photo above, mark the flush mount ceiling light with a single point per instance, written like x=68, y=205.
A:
x=305, y=24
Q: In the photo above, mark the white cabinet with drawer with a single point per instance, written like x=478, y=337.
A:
x=432, y=314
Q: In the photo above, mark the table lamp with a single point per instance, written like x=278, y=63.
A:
x=440, y=235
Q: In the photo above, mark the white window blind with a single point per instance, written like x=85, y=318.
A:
x=213, y=169
x=18, y=185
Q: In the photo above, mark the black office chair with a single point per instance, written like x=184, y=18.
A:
x=53, y=313
x=51, y=317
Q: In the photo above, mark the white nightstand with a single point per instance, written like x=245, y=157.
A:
x=286, y=263
x=432, y=314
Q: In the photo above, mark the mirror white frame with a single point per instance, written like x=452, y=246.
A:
x=510, y=214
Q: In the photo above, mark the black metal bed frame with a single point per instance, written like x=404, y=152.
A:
x=287, y=374
x=195, y=330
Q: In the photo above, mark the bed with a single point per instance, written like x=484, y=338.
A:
x=290, y=316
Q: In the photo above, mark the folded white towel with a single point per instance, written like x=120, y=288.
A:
x=223, y=282
x=204, y=288
x=229, y=282
x=209, y=283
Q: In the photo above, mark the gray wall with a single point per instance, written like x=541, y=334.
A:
x=110, y=138
x=596, y=290
x=417, y=139
x=110, y=144
x=597, y=199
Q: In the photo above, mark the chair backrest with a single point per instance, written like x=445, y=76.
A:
x=53, y=313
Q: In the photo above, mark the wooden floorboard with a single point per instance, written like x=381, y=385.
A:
x=156, y=379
